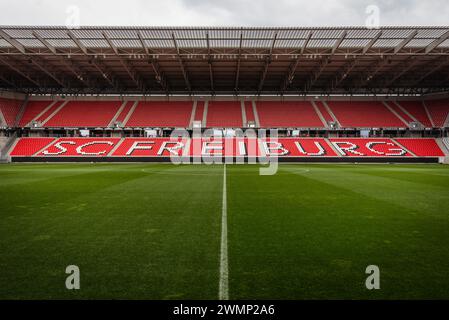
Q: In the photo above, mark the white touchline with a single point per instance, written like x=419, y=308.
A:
x=223, y=292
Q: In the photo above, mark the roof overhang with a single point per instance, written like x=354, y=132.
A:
x=184, y=60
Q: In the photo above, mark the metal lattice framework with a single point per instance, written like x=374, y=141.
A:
x=164, y=60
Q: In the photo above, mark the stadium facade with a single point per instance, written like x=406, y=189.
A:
x=118, y=93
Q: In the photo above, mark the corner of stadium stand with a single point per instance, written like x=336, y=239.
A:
x=121, y=93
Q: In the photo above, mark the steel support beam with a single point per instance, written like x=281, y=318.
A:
x=324, y=62
x=134, y=77
x=437, y=42
x=432, y=69
x=404, y=42
x=181, y=64
x=77, y=42
x=351, y=65
x=45, y=42
x=23, y=74
x=405, y=67
x=209, y=61
x=104, y=73
x=109, y=78
x=370, y=44
x=16, y=44
x=385, y=61
x=69, y=64
x=159, y=76
x=339, y=41
x=44, y=68
x=292, y=68
x=237, y=72
x=8, y=81
x=267, y=63
x=314, y=77
x=345, y=73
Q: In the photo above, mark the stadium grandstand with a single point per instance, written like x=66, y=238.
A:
x=95, y=92
x=315, y=164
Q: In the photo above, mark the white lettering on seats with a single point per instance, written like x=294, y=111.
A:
x=79, y=149
x=351, y=148
x=59, y=146
x=242, y=148
x=173, y=150
x=278, y=146
x=213, y=147
x=320, y=152
x=136, y=146
x=399, y=151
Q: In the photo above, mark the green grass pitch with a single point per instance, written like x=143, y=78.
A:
x=152, y=231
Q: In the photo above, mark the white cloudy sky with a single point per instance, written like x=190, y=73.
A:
x=222, y=12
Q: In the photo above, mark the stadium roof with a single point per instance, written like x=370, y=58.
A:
x=179, y=60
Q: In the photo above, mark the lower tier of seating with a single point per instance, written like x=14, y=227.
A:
x=372, y=147
x=422, y=147
x=244, y=147
x=30, y=146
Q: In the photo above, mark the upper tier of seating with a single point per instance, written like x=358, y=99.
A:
x=224, y=114
x=439, y=111
x=84, y=114
x=161, y=114
x=416, y=110
x=296, y=114
x=32, y=111
x=9, y=111
x=364, y=114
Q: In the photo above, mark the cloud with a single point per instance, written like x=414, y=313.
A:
x=224, y=12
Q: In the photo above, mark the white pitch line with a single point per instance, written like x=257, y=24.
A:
x=223, y=292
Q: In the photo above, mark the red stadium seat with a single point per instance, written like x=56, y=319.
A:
x=368, y=147
x=400, y=112
x=32, y=110
x=75, y=147
x=29, y=146
x=161, y=114
x=10, y=109
x=295, y=114
x=364, y=114
x=150, y=147
x=84, y=114
x=124, y=113
x=199, y=114
x=224, y=114
x=282, y=147
x=325, y=113
x=422, y=147
x=417, y=110
x=439, y=111
x=48, y=112
x=249, y=112
x=221, y=114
